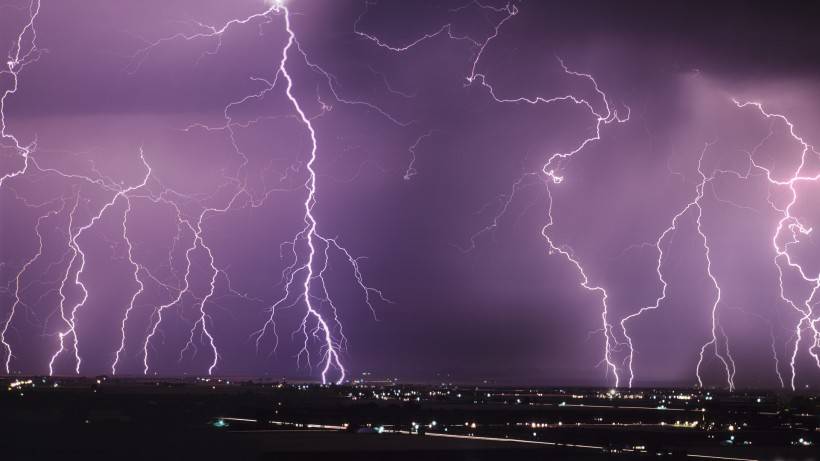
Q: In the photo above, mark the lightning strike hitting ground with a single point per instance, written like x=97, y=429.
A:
x=70, y=316
x=787, y=234
x=23, y=53
x=718, y=344
x=309, y=249
x=305, y=264
x=716, y=330
x=550, y=170
x=137, y=269
x=553, y=163
x=196, y=273
x=17, y=279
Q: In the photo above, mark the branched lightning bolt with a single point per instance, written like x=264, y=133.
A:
x=549, y=173
x=156, y=317
x=309, y=249
x=786, y=235
x=411, y=166
x=716, y=329
x=726, y=359
x=550, y=170
x=21, y=55
x=446, y=29
x=312, y=261
x=772, y=344
x=140, y=284
x=70, y=316
x=17, y=292
x=203, y=319
x=787, y=232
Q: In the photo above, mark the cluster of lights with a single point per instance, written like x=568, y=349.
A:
x=20, y=383
x=688, y=424
x=393, y=394
x=733, y=435
x=214, y=380
x=535, y=425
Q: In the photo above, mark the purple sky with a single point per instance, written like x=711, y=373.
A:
x=434, y=178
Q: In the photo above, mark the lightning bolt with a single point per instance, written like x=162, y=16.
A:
x=787, y=233
x=726, y=359
x=716, y=330
x=203, y=319
x=314, y=253
x=304, y=280
x=411, y=170
x=310, y=250
x=549, y=174
x=551, y=171
x=156, y=317
x=70, y=316
x=140, y=286
x=23, y=53
x=17, y=279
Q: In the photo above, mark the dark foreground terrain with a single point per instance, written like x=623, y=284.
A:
x=63, y=419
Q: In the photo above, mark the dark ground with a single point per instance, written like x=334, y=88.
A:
x=152, y=420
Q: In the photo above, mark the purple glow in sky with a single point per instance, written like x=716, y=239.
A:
x=435, y=191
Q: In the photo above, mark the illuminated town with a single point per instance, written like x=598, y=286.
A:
x=584, y=422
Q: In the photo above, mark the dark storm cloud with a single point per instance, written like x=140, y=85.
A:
x=740, y=38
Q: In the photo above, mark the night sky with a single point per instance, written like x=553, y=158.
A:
x=455, y=144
